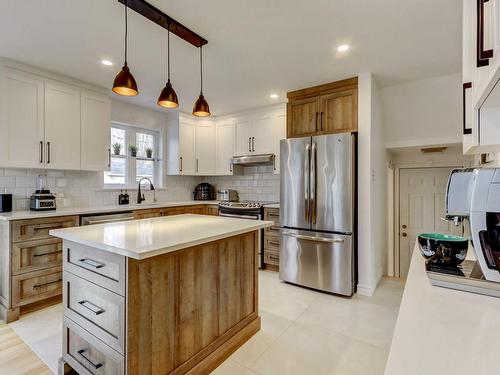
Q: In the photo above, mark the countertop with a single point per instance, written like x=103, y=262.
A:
x=140, y=239
x=443, y=331
x=21, y=215
x=272, y=205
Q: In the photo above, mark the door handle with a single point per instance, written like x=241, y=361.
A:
x=313, y=185
x=316, y=125
x=313, y=238
x=180, y=160
x=321, y=122
x=249, y=144
x=109, y=158
x=483, y=55
x=404, y=226
x=197, y=165
x=307, y=176
x=404, y=234
x=48, y=152
x=467, y=85
x=253, y=144
x=41, y=152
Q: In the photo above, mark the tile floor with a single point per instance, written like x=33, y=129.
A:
x=303, y=332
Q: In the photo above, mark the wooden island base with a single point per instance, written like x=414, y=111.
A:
x=184, y=312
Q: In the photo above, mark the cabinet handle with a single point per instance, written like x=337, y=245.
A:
x=230, y=166
x=483, y=55
x=95, y=366
x=197, y=166
x=41, y=152
x=49, y=253
x=316, y=124
x=91, y=262
x=180, y=159
x=48, y=152
x=273, y=257
x=274, y=243
x=109, y=158
x=45, y=284
x=253, y=144
x=321, y=122
x=467, y=85
x=274, y=162
x=249, y=144
x=90, y=306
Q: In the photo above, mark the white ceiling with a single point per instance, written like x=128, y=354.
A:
x=254, y=47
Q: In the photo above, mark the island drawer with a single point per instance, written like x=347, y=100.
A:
x=87, y=354
x=98, y=310
x=272, y=257
x=100, y=267
x=35, y=286
x=272, y=243
x=35, y=255
x=37, y=229
x=272, y=214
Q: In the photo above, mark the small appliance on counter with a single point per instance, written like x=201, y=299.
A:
x=227, y=195
x=42, y=199
x=5, y=202
x=204, y=192
x=123, y=198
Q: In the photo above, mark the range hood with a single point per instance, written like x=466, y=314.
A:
x=253, y=159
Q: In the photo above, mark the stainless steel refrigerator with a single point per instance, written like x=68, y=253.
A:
x=317, y=212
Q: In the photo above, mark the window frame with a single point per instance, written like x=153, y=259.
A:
x=131, y=162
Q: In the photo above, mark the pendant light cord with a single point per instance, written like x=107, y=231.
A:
x=201, y=68
x=126, y=31
x=168, y=51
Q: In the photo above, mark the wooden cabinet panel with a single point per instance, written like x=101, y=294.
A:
x=35, y=255
x=213, y=210
x=339, y=112
x=146, y=214
x=302, y=117
x=35, y=286
x=37, y=229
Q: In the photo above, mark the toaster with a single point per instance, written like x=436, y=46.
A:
x=227, y=195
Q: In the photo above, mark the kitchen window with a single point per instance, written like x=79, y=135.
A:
x=129, y=165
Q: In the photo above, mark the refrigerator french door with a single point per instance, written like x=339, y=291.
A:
x=317, y=212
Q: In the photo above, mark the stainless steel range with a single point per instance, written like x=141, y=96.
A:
x=250, y=210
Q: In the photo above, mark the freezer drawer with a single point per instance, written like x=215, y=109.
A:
x=321, y=261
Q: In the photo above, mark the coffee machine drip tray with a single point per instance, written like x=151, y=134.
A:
x=467, y=277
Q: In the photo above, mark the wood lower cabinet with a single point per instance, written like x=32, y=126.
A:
x=199, y=209
x=272, y=239
x=324, y=109
x=213, y=210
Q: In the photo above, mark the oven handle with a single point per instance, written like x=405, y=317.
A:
x=252, y=217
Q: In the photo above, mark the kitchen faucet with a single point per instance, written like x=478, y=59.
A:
x=140, y=196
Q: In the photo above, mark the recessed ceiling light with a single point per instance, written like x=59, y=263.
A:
x=106, y=62
x=274, y=96
x=343, y=48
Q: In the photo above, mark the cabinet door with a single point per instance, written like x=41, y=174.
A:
x=225, y=147
x=62, y=126
x=186, y=148
x=21, y=116
x=303, y=117
x=339, y=112
x=279, y=134
x=205, y=148
x=95, y=131
x=244, y=134
x=263, y=134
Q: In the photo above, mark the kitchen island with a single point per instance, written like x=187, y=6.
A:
x=169, y=295
x=443, y=331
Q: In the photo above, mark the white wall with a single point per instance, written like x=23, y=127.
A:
x=372, y=186
x=426, y=112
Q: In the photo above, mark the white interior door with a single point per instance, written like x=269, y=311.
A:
x=421, y=207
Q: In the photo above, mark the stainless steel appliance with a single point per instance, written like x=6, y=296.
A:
x=246, y=210
x=227, y=195
x=42, y=200
x=317, y=217
x=106, y=218
x=248, y=160
x=204, y=192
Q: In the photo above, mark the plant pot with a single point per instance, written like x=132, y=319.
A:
x=133, y=153
x=149, y=154
x=116, y=152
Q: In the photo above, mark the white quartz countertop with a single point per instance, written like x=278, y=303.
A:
x=272, y=205
x=21, y=215
x=443, y=331
x=140, y=239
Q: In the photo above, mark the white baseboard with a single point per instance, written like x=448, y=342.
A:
x=366, y=290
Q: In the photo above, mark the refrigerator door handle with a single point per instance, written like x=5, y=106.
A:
x=307, y=162
x=313, y=238
x=313, y=184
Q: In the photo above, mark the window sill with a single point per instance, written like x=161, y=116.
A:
x=118, y=188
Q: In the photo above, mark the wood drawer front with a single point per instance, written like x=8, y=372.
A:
x=272, y=243
x=272, y=214
x=98, y=310
x=100, y=267
x=36, y=255
x=146, y=214
x=87, y=354
x=35, y=286
x=37, y=229
x=272, y=231
x=272, y=257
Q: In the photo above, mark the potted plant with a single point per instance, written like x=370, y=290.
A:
x=133, y=150
x=117, y=147
x=149, y=153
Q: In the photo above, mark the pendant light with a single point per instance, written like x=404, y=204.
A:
x=168, y=97
x=124, y=83
x=201, y=108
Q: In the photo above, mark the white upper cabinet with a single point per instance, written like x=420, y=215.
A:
x=62, y=126
x=224, y=147
x=21, y=120
x=244, y=133
x=95, y=131
x=263, y=135
x=205, y=143
x=186, y=147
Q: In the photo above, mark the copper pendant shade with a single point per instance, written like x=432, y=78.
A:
x=201, y=108
x=124, y=83
x=168, y=97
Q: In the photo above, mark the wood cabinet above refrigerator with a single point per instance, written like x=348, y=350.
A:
x=325, y=109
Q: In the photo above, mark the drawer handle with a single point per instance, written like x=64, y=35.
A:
x=273, y=229
x=274, y=243
x=90, y=306
x=273, y=258
x=50, y=253
x=92, y=262
x=45, y=284
x=95, y=366
x=47, y=226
